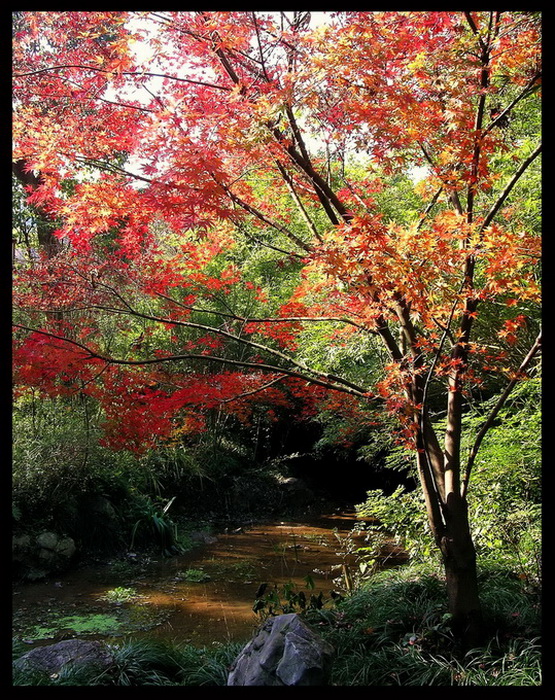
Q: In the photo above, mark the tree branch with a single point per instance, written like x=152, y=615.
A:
x=140, y=74
x=361, y=393
x=283, y=319
x=503, y=196
x=536, y=347
x=528, y=90
x=289, y=182
x=259, y=215
x=429, y=208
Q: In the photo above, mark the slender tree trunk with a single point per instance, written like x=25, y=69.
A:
x=45, y=226
x=461, y=577
x=448, y=519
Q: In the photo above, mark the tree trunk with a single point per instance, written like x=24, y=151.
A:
x=450, y=527
x=459, y=559
x=45, y=225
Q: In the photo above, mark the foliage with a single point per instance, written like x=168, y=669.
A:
x=120, y=594
x=394, y=632
x=193, y=576
x=287, y=598
x=87, y=624
x=236, y=226
x=153, y=523
x=400, y=514
x=140, y=662
x=507, y=484
x=195, y=271
x=505, y=510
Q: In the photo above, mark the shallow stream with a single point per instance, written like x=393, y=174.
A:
x=200, y=597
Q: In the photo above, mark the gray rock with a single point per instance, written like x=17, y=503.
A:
x=202, y=537
x=66, y=547
x=47, y=540
x=50, y=659
x=284, y=651
x=37, y=557
x=47, y=556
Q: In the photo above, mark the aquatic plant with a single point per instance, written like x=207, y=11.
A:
x=193, y=576
x=119, y=595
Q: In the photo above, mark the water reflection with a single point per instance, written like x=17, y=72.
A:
x=207, y=595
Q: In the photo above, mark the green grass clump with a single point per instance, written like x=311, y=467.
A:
x=120, y=594
x=396, y=631
x=147, y=662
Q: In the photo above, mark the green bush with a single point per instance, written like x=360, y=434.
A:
x=505, y=504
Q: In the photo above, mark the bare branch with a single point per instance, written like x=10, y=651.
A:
x=259, y=215
x=429, y=208
x=289, y=181
x=528, y=90
x=284, y=319
x=474, y=28
x=503, y=196
x=254, y=391
x=536, y=347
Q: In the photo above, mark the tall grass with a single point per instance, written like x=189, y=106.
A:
x=396, y=631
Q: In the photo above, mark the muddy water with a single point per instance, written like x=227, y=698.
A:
x=168, y=604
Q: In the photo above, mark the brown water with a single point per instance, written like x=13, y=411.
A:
x=216, y=609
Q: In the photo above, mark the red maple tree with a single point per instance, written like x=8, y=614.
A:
x=153, y=145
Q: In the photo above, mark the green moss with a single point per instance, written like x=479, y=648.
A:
x=95, y=623
x=122, y=621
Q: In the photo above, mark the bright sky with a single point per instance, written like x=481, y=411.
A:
x=146, y=56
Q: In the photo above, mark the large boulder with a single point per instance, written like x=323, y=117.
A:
x=284, y=651
x=52, y=658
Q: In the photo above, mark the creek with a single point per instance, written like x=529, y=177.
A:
x=203, y=596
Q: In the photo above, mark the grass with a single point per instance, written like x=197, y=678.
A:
x=193, y=576
x=393, y=632
x=147, y=662
x=396, y=632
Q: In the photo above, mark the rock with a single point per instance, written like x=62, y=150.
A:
x=284, y=651
x=47, y=540
x=66, y=547
x=202, y=537
x=37, y=557
x=52, y=658
x=47, y=557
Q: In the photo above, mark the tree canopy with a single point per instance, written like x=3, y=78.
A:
x=245, y=210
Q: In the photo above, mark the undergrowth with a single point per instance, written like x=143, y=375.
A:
x=394, y=631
